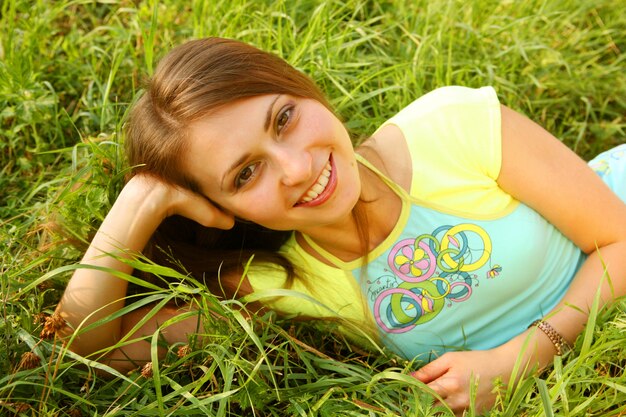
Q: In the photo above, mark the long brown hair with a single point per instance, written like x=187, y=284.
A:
x=193, y=79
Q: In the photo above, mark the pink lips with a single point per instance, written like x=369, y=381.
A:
x=328, y=190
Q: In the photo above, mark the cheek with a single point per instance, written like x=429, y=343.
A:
x=256, y=206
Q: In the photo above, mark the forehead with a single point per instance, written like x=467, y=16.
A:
x=245, y=111
x=220, y=137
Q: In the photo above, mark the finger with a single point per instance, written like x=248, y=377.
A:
x=432, y=371
x=441, y=404
x=211, y=216
x=452, y=393
x=440, y=389
x=198, y=208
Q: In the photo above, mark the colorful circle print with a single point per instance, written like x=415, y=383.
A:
x=432, y=268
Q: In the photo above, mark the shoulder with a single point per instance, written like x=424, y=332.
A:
x=444, y=112
x=387, y=150
x=445, y=127
x=448, y=115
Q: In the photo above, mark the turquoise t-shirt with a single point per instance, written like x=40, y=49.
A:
x=466, y=266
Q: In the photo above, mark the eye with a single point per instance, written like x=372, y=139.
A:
x=283, y=119
x=245, y=175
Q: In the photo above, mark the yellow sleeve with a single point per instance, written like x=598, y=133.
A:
x=318, y=290
x=454, y=137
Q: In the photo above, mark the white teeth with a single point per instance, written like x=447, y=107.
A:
x=319, y=186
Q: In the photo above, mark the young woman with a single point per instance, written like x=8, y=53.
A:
x=461, y=233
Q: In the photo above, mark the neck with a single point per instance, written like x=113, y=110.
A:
x=341, y=239
x=366, y=226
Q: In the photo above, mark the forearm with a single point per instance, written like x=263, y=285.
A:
x=93, y=294
x=603, y=271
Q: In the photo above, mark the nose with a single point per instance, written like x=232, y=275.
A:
x=295, y=165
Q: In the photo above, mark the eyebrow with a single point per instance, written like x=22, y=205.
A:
x=270, y=111
x=233, y=167
x=243, y=158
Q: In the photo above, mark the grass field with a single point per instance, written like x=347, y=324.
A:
x=70, y=69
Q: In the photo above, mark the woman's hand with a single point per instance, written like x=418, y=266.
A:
x=452, y=375
x=168, y=200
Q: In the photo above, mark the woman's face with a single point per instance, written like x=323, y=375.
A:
x=283, y=162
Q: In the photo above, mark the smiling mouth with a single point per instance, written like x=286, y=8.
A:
x=322, y=189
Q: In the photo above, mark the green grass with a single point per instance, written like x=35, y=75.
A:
x=68, y=71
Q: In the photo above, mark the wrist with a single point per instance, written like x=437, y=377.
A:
x=129, y=224
x=145, y=197
x=529, y=351
x=561, y=345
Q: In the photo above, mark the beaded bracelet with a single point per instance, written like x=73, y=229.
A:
x=555, y=337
